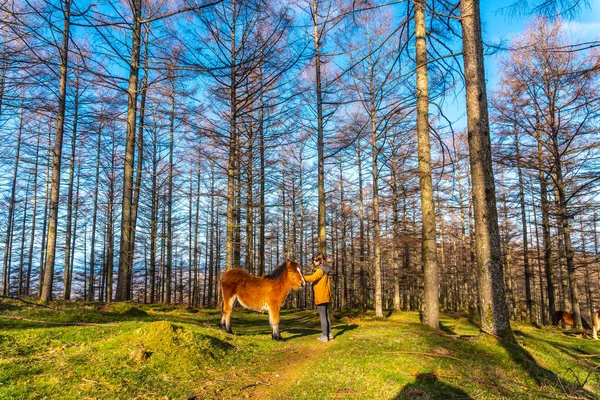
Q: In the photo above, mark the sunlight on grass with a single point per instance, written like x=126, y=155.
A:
x=135, y=351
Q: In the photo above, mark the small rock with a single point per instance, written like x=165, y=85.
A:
x=138, y=355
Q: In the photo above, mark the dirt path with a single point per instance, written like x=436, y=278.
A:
x=290, y=362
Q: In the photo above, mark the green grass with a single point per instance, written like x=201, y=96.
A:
x=87, y=350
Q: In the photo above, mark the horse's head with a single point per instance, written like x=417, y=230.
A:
x=294, y=274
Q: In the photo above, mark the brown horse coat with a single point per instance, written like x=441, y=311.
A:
x=566, y=318
x=259, y=293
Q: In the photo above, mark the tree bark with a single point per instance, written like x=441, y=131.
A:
x=46, y=294
x=11, y=211
x=126, y=245
x=528, y=275
x=95, y=212
x=321, y=212
x=67, y=270
x=428, y=241
x=231, y=164
x=494, y=311
x=33, y=218
x=169, y=266
x=137, y=185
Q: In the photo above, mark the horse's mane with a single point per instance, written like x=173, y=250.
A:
x=277, y=272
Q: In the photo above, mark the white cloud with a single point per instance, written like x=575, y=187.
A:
x=583, y=31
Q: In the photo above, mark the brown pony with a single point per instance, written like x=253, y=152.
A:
x=258, y=293
x=566, y=318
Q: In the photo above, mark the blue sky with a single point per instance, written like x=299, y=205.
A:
x=498, y=26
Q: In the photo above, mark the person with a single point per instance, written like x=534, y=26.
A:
x=321, y=284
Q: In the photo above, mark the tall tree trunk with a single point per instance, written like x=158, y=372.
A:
x=528, y=275
x=545, y=205
x=154, y=219
x=95, y=212
x=596, y=247
x=67, y=270
x=137, y=185
x=169, y=266
x=110, y=245
x=563, y=220
x=250, y=204
x=467, y=287
x=511, y=286
x=321, y=212
x=196, y=288
x=211, y=265
x=44, y=224
x=565, y=298
x=126, y=245
x=231, y=164
x=343, y=224
x=361, y=218
x=376, y=223
x=4, y=67
x=33, y=218
x=11, y=211
x=428, y=242
x=191, y=287
x=56, y=159
x=74, y=240
x=21, y=281
x=539, y=262
x=261, y=231
x=588, y=278
x=494, y=311
x=397, y=234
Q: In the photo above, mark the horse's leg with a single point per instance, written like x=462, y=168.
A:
x=274, y=321
x=226, y=313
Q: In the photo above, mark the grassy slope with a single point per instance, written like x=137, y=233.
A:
x=164, y=352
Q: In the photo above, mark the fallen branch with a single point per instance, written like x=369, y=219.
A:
x=423, y=354
x=588, y=355
x=15, y=317
x=256, y=384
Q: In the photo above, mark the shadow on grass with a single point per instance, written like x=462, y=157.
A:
x=344, y=329
x=428, y=386
x=541, y=375
x=446, y=329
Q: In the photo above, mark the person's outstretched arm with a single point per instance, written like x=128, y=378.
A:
x=315, y=276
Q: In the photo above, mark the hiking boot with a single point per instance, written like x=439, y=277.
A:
x=323, y=339
x=330, y=336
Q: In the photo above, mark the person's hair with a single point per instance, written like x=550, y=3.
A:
x=319, y=257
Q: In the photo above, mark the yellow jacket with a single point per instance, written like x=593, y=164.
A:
x=321, y=284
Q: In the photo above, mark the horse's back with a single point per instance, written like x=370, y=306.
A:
x=237, y=279
x=234, y=275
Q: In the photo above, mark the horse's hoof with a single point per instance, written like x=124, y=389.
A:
x=277, y=337
x=229, y=331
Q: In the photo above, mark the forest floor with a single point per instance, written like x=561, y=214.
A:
x=130, y=351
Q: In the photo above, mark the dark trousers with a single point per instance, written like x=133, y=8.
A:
x=323, y=310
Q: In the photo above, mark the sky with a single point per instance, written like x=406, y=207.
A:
x=498, y=26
